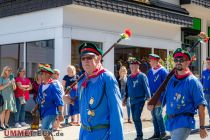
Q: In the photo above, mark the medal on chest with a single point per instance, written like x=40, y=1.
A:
x=91, y=101
x=91, y=113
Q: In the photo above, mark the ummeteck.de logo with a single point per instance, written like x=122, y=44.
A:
x=28, y=133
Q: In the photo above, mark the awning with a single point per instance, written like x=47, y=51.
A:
x=149, y=11
x=160, y=11
x=204, y=3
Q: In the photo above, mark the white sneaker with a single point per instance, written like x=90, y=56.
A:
x=23, y=124
x=17, y=125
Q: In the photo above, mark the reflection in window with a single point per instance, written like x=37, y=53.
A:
x=11, y=55
x=189, y=38
x=39, y=52
x=161, y=52
x=121, y=54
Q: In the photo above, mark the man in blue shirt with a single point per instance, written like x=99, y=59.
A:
x=50, y=102
x=99, y=96
x=138, y=90
x=183, y=97
x=156, y=75
x=205, y=80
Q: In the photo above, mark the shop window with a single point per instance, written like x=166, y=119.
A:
x=122, y=53
x=39, y=52
x=162, y=53
x=11, y=55
x=189, y=38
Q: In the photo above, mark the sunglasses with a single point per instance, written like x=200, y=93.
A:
x=179, y=60
x=87, y=58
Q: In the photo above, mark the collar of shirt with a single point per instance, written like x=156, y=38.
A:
x=96, y=72
x=188, y=72
x=134, y=75
x=156, y=69
x=49, y=81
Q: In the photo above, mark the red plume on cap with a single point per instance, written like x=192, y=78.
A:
x=128, y=32
x=203, y=37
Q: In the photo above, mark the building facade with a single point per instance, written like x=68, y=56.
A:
x=49, y=31
x=199, y=10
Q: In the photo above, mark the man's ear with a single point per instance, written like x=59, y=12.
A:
x=188, y=63
x=99, y=57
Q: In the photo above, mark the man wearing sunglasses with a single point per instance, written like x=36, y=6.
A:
x=99, y=95
x=183, y=98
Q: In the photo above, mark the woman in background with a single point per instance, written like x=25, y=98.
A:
x=68, y=80
x=7, y=87
x=122, y=84
x=21, y=95
x=37, y=81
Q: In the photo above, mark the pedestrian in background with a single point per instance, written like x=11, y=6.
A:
x=122, y=81
x=22, y=96
x=55, y=77
x=205, y=80
x=156, y=75
x=68, y=80
x=7, y=87
x=138, y=90
x=35, y=85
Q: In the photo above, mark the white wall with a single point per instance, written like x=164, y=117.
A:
x=40, y=25
x=76, y=22
x=31, y=26
x=102, y=26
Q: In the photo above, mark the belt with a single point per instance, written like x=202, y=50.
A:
x=91, y=128
x=132, y=98
x=180, y=114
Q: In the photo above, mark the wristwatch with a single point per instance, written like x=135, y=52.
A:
x=59, y=113
x=202, y=127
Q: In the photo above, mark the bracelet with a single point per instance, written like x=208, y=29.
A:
x=59, y=113
x=202, y=127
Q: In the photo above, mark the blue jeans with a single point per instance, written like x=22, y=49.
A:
x=157, y=118
x=180, y=133
x=20, y=114
x=47, y=122
x=136, y=110
x=207, y=97
x=128, y=105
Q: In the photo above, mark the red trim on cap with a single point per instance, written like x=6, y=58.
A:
x=154, y=58
x=181, y=55
x=91, y=50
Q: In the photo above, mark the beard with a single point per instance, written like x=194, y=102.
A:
x=179, y=67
